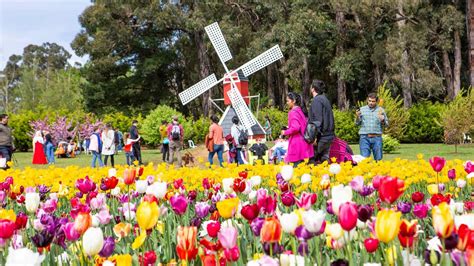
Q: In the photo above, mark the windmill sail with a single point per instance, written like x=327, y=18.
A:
x=240, y=107
x=197, y=89
x=266, y=58
x=217, y=39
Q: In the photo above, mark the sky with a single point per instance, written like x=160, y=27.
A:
x=24, y=22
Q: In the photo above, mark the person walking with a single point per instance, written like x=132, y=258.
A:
x=49, y=147
x=95, y=146
x=38, y=148
x=236, y=131
x=175, y=134
x=268, y=128
x=6, y=140
x=322, y=116
x=372, y=119
x=136, y=149
x=108, y=147
x=298, y=148
x=165, y=141
x=128, y=148
x=217, y=135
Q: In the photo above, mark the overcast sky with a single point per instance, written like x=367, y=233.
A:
x=24, y=22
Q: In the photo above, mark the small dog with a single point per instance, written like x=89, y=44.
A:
x=187, y=159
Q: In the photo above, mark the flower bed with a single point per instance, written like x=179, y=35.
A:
x=391, y=212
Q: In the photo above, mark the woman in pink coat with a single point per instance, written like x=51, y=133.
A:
x=298, y=148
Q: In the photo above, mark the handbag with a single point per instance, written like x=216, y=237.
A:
x=310, y=132
x=209, y=143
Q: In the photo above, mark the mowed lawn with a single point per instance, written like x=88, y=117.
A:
x=406, y=151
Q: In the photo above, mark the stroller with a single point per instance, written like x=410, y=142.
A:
x=341, y=151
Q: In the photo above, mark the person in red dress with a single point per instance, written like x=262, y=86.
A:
x=38, y=149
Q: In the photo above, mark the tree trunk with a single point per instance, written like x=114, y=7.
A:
x=448, y=75
x=306, y=80
x=204, y=70
x=377, y=77
x=457, y=64
x=271, y=84
x=470, y=38
x=405, y=71
x=341, y=84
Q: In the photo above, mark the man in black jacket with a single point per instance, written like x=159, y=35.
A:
x=136, y=149
x=321, y=115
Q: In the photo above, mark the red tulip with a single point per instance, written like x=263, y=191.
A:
x=250, y=212
x=417, y=196
x=469, y=167
x=466, y=238
x=371, y=244
x=178, y=183
x=376, y=181
x=140, y=171
x=452, y=174
x=206, y=184
x=437, y=163
x=21, y=220
x=186, y=242
x=149, y=258
x=243, y=174
x=110, y=182
x=407, y=232
x=391, y=189
x=239, y=185
x=437, y=199
x=348, y=215
x=213, y=228
x=129, y=176
x=150, y=198
x=287, y=198
x=210, y=245
x=271, y=230
x=232, y=254
x=7, y=228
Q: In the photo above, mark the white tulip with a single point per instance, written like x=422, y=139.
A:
x=108, y=263
x=469, y=176
x=461, y=183
x=95, y=221
x=313, y=220
x=248, y=187
x=434, y=244
x=334, y=168
x=286, y=172
x=23, y=256
x=112, y=172
x=141, y=186
x=63, y=259
x=459, y=207
x=291, y=260
x=289, y=222
x=32, y=201
x=115, y=191
x=92, y=241
x=467, y=219
x=306, y=178
x=340, y=194
x=228, y=185
x=372, y=264
x=157, y=189
x=361, y=225
x=252, y=195
x=256, y=180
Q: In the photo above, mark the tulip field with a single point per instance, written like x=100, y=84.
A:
x=398, y=212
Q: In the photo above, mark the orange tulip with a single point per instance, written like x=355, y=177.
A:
x=122, y=230
x=271, y=230
x=129, y=176
x=443, y=221
x=186, y=245
x=82, y=222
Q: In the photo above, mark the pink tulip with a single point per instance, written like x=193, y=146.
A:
x=179, y=203
x=227, y=237
x=376, y=181
x=104, y=216
x=437, y=163
x=452, y=174
x=469, y=167
x=357, y=183
x=50, y=205
x=348, y=215
x=85, y=185
x=97, y=202
x=306, y=200
x=266, y=202
x=420, y=210
x=71, y=233
x=261, y=197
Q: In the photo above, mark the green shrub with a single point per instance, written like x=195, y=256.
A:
x=389, y=144
x=119, y=120
x=397, y=114
x=345, y=126
x=196, y=130
x=20, y=124
x=150, y=129
x=422, y=126
x=278, y=119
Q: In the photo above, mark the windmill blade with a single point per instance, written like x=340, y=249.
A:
x=269, y=56
x=241, y=109
x=198, y=89
x=217, y=39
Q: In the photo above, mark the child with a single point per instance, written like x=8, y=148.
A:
x=279, y=150
x=259, y=149
x=128, y=148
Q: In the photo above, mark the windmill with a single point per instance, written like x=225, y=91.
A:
x=233, y=94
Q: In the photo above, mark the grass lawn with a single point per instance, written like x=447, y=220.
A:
x=406, y=151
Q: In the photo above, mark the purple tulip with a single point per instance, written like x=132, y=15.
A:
x=256, y=225
x=451, y=241
x=302, y=234
x=287, y=198
x=458, y=258
x=364, y=212
x=276, y=248
x=179, y=203
x=303, y=248
x=202, y=209
x=108, y=247
x=420, y=210
x=329, y=207
x=367, y=190
x=452, y=174
x=42, y=239
x=404, y=207
x=340, y=262
x=441, y=187
x=196, y=221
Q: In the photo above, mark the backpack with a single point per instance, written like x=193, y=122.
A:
x=175, y=132
x=243, y=137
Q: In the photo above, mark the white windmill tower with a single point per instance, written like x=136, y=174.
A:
x=234, y=95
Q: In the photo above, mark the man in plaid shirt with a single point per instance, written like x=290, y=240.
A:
x=371, y=119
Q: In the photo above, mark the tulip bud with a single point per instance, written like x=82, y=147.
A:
x=286, y=172
x=452, y=174
x=93, y=241
x=371, y=244
x=32, y=201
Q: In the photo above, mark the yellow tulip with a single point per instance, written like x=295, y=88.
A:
x=387, y=225
x=228, y=207
x=8, y=215
x=433, y=189
x=443, y=221
x=391, y=254
x=138, y=242
x=147, y=214
x=123, y=260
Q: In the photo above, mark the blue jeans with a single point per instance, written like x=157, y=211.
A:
x=239, y=156
x=368, y=145
x=219, y=149
x=279, y=154
x=50, y=152
x=129, y=157
x=95, y=156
